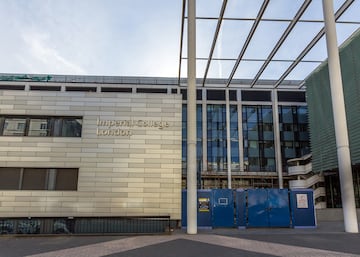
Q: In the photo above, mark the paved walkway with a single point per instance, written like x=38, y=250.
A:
x=327, y=240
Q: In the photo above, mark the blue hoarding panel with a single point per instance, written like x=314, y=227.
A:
x=223, y=208
x=204, y=201
x=240, y=198
x=302, y=208
x=278, y=208
x=257, y=208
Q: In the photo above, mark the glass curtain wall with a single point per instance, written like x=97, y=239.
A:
x=216, y=138
x=199, y=140
x=234, y=138
x=294, y=134
x=258, y=136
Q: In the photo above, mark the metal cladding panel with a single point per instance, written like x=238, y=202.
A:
x=350, y=63
x=321, y=122
x=223, y=208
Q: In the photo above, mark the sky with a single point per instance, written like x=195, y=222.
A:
x=142, y=37
x=90, y=37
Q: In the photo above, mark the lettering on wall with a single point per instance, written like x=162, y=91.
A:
x=124, y=127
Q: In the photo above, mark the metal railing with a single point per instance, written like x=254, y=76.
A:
x=87, y=225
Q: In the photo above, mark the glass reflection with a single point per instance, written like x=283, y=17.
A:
x=258, y=136
x=216, y=141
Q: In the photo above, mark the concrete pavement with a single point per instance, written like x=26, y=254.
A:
x=326, y=240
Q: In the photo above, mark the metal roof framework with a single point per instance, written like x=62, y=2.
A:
x=296, y=56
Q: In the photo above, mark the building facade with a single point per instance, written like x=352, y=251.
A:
x=90, y=146
x=321, y=120
x=88, y=154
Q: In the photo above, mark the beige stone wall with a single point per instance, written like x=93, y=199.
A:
x=119, y=175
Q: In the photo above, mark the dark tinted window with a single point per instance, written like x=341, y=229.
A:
x=67, y=127
x=66, y=179
x=286, y=96
x=11, y=87
x=81, y=89
x=62, y=179
x=232, y=95
x=256, y=95
x=116, y=89
x=152, y=90
x=9, y=178
x=34, y=179
x=184, y=94
x=215, y=95
x=45, y=88
x=199, y=94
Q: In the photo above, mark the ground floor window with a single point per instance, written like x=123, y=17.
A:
x=63, y=179
x=332, y=185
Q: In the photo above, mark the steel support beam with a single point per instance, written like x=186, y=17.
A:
x=218, y=26
x=313, y=42
x=248, y=39
x=281, y=40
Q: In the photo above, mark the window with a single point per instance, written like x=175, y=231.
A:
x=14, y=127
x=288, y=96
x=67, y=127
x=255, y=95
x=34, y=179
x=294, y=134
x=152, y=90
x=215, y=94
x=258, y=136
x=216, y=138
x=40, y=126
x=62, y=179
x=9, y=178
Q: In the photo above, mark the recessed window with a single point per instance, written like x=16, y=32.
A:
x=152, y=90
x=255, y=95
x=40, y=126
x=9, y=178
x=45, y=88
x=215, y=95
x=34, y=179
x=60, y=179
x=14, y=127
x=116, y=89
x=81, y=89
x=286, y=96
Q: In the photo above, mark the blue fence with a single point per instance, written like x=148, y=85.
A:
x=253, y=208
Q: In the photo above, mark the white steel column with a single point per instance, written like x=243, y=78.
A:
x=228, y=141
x=277, y=143
x=341, y=132
x=191, y=122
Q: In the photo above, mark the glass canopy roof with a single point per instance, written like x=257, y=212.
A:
x=279, y=42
